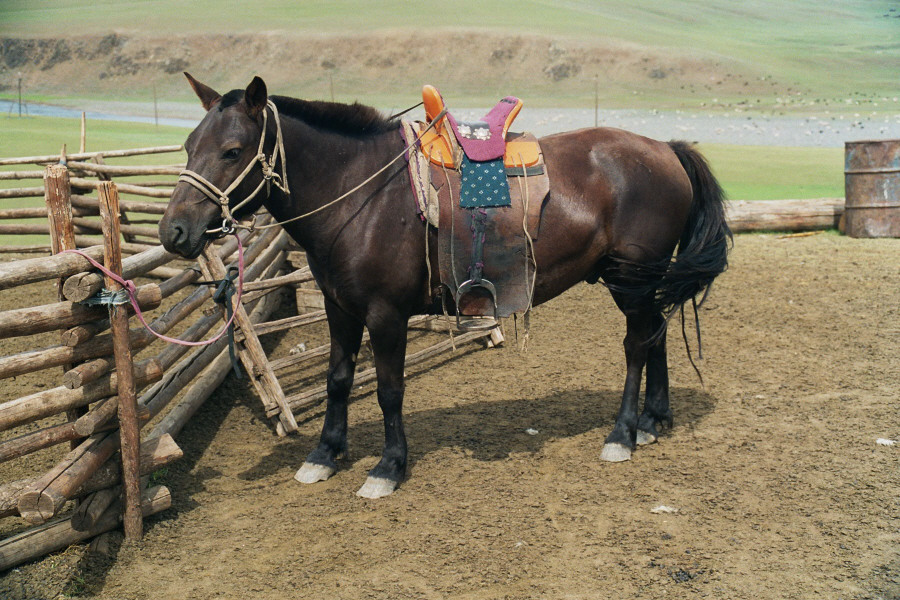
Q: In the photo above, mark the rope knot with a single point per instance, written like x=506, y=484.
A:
x=131, y=287
x=268, y=169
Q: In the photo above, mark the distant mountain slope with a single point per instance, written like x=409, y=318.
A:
x=678, y=53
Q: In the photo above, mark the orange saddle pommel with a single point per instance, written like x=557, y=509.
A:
x=512, y=115
x=434, y=104
x=440, y=145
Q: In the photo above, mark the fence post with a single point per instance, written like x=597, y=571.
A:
x=129, y=428
x=58, y=198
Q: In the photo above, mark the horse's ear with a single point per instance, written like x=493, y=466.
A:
x=256, y=96
x=207, y=95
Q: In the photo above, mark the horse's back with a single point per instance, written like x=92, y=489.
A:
x=634, y=187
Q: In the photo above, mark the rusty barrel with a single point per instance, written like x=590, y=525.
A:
x=872, y=188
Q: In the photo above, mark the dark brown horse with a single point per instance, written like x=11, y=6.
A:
x=618, y=207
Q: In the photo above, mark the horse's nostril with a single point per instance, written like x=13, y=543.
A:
x=173, y=237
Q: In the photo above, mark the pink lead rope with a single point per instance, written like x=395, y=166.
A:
x=130, y=288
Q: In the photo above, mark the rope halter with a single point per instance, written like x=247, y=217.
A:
x=270, y=176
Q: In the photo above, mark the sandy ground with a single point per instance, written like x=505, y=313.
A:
x=777, y=485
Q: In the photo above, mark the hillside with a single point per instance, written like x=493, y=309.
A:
x=776, y=56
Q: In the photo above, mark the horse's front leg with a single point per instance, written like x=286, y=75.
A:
x=346, y=336
x=388, y=336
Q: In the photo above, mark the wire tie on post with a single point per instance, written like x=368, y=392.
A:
x=107, y=297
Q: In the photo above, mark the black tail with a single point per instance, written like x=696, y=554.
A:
x=702, y=253
x=701, y=256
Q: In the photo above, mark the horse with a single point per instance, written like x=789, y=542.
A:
x=618, y=207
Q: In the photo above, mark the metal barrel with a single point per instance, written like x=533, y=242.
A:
x=872, y=188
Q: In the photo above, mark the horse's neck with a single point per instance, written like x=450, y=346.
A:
x=321, y=166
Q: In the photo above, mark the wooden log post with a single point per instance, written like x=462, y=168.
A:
x=149, y=207
x=43, y=499
x=129, y=428
x=82, y=333
x=45, y=403
x=126, y=188
x=82, y=286
x=52, y=158
x=59, y=208
x=147, y=370
x=784, y=215
x=57, y=196
x=92, y=508
x=66, y=314
x=56, y=535
x=37, y=440
x=156, y=452
x=253, y=356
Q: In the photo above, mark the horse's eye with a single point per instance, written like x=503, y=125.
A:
x=231, y=154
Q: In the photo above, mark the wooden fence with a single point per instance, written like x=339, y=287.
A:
x=117, y=397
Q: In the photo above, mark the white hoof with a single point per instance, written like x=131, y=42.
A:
x=644, y=438
x=615, y=453
x=311, y=473
x=376, y=487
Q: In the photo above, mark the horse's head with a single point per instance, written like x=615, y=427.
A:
x=222, y=151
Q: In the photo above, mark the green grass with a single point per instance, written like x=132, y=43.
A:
x=39, y=136
x=774, y=173
x=32, y=136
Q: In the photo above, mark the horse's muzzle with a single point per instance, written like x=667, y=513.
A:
x=182, y=237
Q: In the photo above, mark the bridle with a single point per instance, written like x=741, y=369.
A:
x=267, y=164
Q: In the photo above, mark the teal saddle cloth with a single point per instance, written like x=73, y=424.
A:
x=484, y=184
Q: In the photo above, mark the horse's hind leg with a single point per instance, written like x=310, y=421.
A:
x=639, y=320
x=656, y=405
x=346, y=337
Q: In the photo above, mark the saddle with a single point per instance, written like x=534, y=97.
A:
x=484, y=230
x=444, y=147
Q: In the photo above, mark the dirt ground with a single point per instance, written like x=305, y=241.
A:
x=778, y=486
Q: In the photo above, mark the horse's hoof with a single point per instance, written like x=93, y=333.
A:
x=615, y=453
x=645, y=437
x=311, y=473
x=377, y=487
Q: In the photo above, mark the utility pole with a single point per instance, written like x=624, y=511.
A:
x=20, y=94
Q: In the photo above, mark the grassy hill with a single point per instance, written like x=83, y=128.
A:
x=795, y=55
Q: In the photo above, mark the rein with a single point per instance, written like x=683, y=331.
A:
x=267, y=164
x=129, y=287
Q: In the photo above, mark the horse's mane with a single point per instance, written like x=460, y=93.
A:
x=348, y=119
